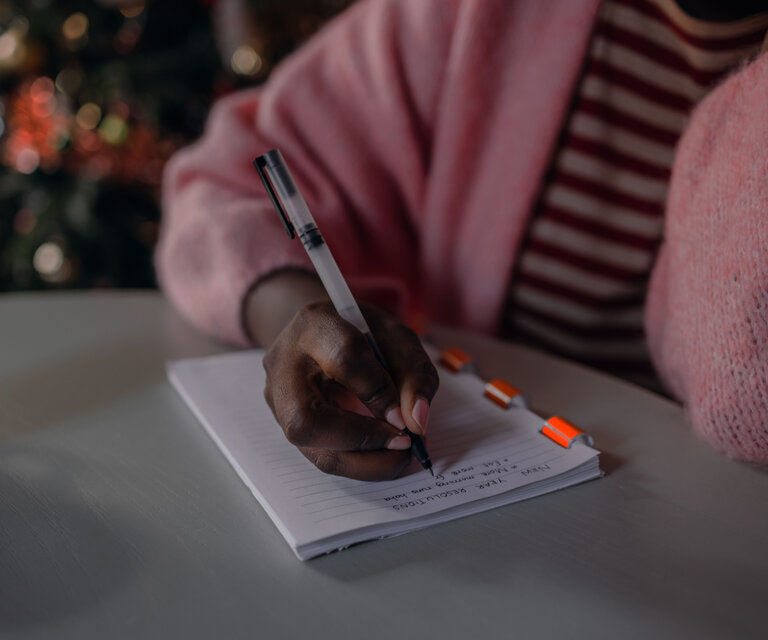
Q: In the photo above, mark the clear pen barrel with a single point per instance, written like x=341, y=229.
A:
x=304, y=224
x=336, y=286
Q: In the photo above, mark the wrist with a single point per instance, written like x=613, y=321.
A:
x=275, y=299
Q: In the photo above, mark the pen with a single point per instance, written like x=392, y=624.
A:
x=297, y=220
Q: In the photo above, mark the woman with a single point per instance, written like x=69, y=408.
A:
x=505, y=166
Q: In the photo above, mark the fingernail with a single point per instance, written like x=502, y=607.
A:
x=420, y=414
x=399, y=443
x=395, y=417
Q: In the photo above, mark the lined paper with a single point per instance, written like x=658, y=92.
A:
x=482, y=456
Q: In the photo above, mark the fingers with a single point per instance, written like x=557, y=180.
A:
x=344, y=355
x=338, y=442
x=319, y=354
x=411, y=369
x=303, y=408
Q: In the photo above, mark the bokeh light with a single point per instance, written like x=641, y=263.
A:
x=48, y=259
x=75, y=27
x=113, y=129
x=9, y=43
x=246, y=61
x=27, y=160
x=133, y=12
x=88, y=116
x=42, y=90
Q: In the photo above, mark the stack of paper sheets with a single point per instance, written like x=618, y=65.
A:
x=483, y=457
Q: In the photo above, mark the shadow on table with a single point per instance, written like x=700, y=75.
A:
x=642, y=559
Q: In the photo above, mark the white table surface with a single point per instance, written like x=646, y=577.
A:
x=119, y=518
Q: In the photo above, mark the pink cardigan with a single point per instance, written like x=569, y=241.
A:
x=420, y=133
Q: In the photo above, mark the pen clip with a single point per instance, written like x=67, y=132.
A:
x=260, y=163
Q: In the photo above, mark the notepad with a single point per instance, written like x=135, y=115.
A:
x=483, y=456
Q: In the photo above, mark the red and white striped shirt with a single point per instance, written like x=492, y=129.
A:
x=583, y=271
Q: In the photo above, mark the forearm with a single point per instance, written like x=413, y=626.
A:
x=275, y=300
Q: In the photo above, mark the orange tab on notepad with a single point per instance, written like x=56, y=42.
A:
x=454, y=359
x=564, y=433
x=505, y=395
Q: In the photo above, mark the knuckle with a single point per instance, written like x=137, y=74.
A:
x=328, y=462
x=406, y=333
x=268, y=396
x=313, y=315
x=305, y=319
x=314, y=308
x=298, y=429
x=379, y=395
x=306, y=313
x=426, y=375
x=407, y=336
x=269, y=360
x=269, y=393
x=279, y=358
x=368, y=440
x=304, y=421
x=345, y=358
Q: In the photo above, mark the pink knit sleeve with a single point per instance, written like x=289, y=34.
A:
x=707, y=310
x=352, y=113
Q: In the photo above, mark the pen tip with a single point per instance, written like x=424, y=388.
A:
x=432, y=472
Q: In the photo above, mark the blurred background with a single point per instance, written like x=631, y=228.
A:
x=94, y=98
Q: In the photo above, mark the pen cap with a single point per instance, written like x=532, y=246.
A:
x=286, y=189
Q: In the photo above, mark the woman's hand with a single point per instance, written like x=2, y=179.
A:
x=320, y=362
